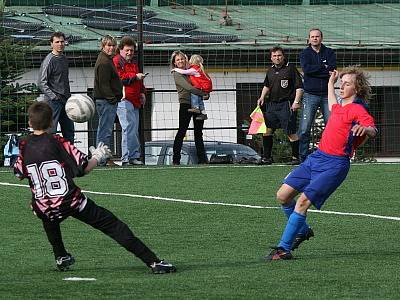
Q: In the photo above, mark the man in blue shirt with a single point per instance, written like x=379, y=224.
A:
x=317, y=61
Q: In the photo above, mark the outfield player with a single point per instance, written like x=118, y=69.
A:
x=50, y=163
x=323, y=171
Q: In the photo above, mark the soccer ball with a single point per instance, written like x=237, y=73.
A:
x=80, y=108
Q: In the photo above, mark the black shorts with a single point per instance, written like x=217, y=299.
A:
x=279, y=115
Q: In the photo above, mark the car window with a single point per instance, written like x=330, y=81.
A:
x=170, y=152
x=152, y=154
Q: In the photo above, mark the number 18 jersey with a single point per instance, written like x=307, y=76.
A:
x=50, y=163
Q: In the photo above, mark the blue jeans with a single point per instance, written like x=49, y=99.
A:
x=106, y=113
x=311, y=103
x=128, y=116
x=197, y=101
x=60, y=116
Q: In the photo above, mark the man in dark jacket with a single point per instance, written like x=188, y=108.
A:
x=317, y=61
x=107, y=90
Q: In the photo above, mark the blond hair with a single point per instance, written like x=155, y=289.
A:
x=107, y=39
x=197, y=60
x=361, y=82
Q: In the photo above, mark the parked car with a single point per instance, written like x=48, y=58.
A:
x=160, y=153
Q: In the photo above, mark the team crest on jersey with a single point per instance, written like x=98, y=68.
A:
x=284, y=83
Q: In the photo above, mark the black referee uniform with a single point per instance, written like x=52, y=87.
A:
x=282, y=81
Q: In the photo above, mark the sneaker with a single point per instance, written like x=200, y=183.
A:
x=162, y=267
x=202, y=117
x=294, y=161
x=266, y=161
x=278, y=253
x=64, y=262
x=301, y=238
x=195, y=110
x=135, y=162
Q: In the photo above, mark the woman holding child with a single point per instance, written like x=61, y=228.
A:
x=184, y=88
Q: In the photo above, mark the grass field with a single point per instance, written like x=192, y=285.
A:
x=217, y=240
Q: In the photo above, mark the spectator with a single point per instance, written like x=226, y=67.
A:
x=184, y=89
x=54, y=84
x=107, y=91
x=55, y=200
x=324, y=170
x=284, y=86
x=200, y=80
x=317, y=61
x=133, y=99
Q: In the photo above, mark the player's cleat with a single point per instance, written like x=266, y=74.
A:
x=64, y=262
x=162, y=267
x=301, y=238
x=278, y=253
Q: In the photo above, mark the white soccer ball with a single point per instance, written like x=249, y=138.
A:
x=80, y=108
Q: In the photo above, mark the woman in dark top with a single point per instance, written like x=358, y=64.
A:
x=184, y=89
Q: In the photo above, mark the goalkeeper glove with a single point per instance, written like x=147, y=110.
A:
x=102, y=153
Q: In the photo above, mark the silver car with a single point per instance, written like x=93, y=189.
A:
x=161, y=152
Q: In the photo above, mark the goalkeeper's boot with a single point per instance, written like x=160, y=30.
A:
x=64, y=262
x=278, y=253
x=302, y=237
x=162, y=267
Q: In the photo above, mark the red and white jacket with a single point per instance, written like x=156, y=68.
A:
x=201, y=81
x=132, y=87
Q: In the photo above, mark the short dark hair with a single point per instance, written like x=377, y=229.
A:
x=127, y=41
x=275, y=49
x=40, y=115
x=57, y=34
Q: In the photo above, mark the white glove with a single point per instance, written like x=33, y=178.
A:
x=102, y=153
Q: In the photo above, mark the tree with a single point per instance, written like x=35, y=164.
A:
x=15, y=98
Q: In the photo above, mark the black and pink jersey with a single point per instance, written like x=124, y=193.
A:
x=50, y=163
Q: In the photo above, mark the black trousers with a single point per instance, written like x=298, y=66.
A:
x=184, y=120
x=105, y=221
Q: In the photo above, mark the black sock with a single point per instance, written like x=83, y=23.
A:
x=268, y=142
x=295, y=149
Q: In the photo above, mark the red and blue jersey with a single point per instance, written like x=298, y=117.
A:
x=337, y=138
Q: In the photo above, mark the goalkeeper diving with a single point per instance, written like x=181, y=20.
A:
x=50, y=163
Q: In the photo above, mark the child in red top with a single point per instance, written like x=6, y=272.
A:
x=199, y=79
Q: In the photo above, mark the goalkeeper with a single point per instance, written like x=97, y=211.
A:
x=50, y=163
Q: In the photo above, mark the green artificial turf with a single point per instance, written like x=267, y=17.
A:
x=217, y=249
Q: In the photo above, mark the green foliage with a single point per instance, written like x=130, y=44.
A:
x=15, y=98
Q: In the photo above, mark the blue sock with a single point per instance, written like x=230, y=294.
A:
x=288, y=209
x=295, y=223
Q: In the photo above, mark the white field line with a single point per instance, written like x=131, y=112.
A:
x=119, y=168
x=221, y=203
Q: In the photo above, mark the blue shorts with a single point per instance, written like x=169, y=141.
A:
x=319, y=176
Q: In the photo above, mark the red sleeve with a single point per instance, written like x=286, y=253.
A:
x=362, y=117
